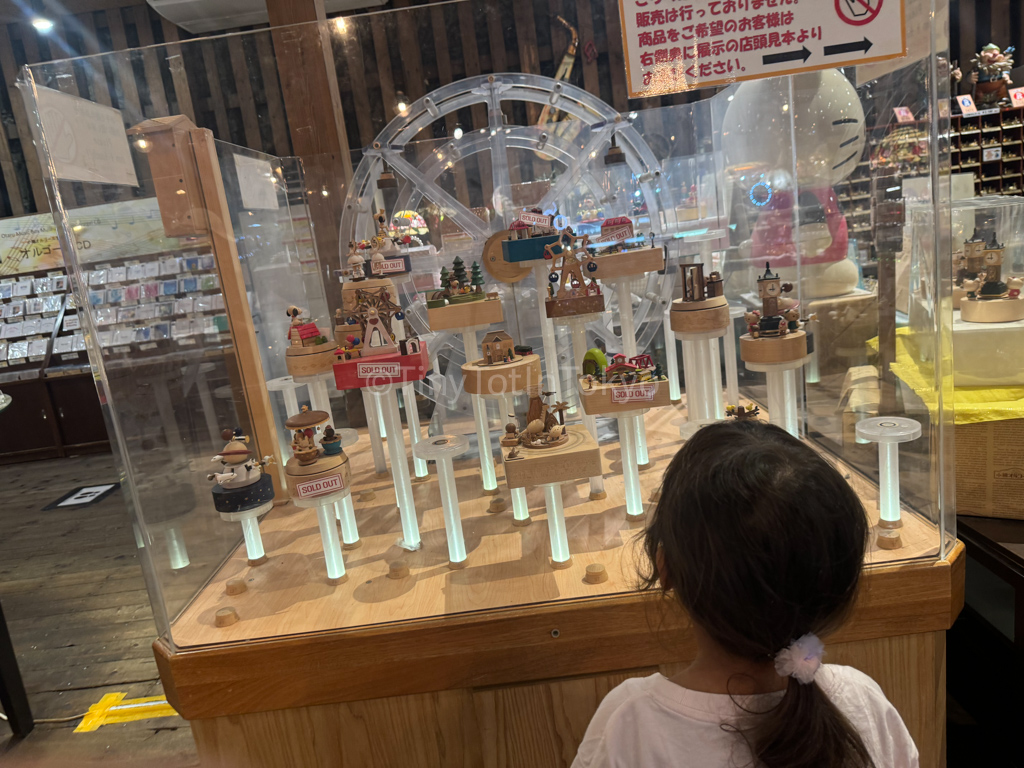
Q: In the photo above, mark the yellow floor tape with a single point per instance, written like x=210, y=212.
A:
x=113, y=708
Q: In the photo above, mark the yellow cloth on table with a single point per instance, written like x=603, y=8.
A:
x=971, y=405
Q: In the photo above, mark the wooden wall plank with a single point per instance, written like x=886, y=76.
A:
x=272, y=93
x=211, y=71
x=585, y=28
x=35, y=171
x=179, y=76
x=444, y=74
x=353, y=50
x=616, y=56
x=123, y=73
x=150, y=60
x=529, y=59
x=246, y=102
x=381, y=46
x=99, y=89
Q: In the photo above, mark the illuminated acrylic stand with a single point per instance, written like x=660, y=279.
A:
x=541, y=272
x=251, y=530
x=703, y=375
x=326, y=520
x=442, y=449
x=483, y=435
x=344, y=510
x=560, y=556
x=888, y=432
x=520, y=507
x=373, y=418
x=387, y=400
x=578, y=327
x=412, y=417
x=704, y=240
x=174, y=540
x=783, y=393
x=732, y=376
x=624, y=297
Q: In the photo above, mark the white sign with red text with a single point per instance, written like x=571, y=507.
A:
x=616, y=234
x=320, y=487
x=680, y=45
x=388, y=266
x=378, y=370
x=535, y=219
x=636, y=393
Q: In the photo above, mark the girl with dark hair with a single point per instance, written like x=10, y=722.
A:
x=762, y=541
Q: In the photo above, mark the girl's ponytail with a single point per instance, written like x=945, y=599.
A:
x=762, y=541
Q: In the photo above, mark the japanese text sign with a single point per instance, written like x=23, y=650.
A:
x=680, y=45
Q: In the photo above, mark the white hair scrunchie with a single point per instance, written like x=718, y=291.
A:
x=801, y=659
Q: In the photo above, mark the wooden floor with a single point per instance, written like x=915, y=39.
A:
x=507, y=565
x=76, y=605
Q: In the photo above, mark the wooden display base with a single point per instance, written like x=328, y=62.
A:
x=448, y=677
x=579, y=458
x=257, y=562
x=699, y=316
x=465, y=315
x=522, y=523
x=580, y=305
x=329, y=474
x=609, y=399
x=309, y=361
x=773, y=349
x=502, y=378
x=639, y=261
x=991, y=310
x=560, y=565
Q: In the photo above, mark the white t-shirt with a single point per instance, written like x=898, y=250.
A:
x=652, y=722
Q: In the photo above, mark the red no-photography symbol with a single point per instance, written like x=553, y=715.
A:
x=858, y=12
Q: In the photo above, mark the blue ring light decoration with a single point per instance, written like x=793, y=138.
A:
x=756, y=199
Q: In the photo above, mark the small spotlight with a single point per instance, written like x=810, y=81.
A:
x=142, y=145
x=341, y=25
x=402, y=102
x=457, y=133
x=42, y=25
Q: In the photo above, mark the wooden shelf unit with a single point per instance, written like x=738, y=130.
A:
x=974, y=136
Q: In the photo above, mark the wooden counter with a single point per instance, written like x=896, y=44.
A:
x=502, y=663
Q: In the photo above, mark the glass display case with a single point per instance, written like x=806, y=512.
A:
x=618, y=277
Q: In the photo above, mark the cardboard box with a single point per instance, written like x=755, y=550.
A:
x=990, y=469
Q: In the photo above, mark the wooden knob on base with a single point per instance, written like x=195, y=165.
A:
x=421, y=479
x=260, y=561
x=225, y=617
x=235, y=587
x=522, y=523
x=398, y=569
x=459, y=565
x=489, y=491
x=497, y=505
x=560, y=566
x=596, y=574
x=367, y=496
x=354, y=545
x=382, y=475
x=340, y=580
x=598, y=495
x=888, y=539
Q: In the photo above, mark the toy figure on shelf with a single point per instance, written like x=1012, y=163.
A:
x=991, y=76
x=498, y=348
x=356, y=263
x=740, y=413
x=331, y=442
x=543, y=429
x=244, y=491
x=636, y=370
x=528, y=236
x=310, y=471
x=576, y=293
x=773, y=319
x=616, y=229
x=309, y=351
x=989, y=298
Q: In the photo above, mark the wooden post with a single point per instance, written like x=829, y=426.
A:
x=309, y=84
x=190, y=191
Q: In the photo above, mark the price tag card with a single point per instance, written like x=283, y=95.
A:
x=903, y=114
x=966, y=105
x=1017, y=96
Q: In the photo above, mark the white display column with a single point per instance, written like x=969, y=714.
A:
x=578, y=325
x=702, y=375
x=343, y=509
x=888, y=432
x=387, y=402
x=483, y=435
x=547, y=329
x=442, y=449
x=783, y=398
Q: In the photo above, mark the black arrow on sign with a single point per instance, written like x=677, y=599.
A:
x=834, y=50
x=779, y=58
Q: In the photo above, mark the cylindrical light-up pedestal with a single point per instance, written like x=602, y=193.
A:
x=251, y=530
x=779, y=358
x=699, y=324
x=387, y=402
x=624, y=298
x=888, y=432
x=176, y=550
x=576, y=459
x=483, y=435
x=732, y=375
x=702, y=375
x=376, y=443
x=343, y=509
x=630, y=470
x=501, y=381
x=560, y=557
x=547, y=330
x=442, y=449
x=520, y=507
x=412, y=416
x=578, y=326
x=325, y=518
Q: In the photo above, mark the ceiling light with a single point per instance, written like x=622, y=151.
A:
x=41, y=24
